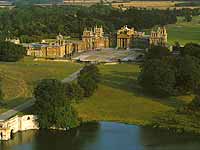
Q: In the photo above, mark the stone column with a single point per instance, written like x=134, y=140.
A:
x=118, y=42
x=128, y=43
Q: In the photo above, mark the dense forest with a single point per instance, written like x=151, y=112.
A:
x=35, y=22
x=31, y=23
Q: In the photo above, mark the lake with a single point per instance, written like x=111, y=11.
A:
x=102, y=136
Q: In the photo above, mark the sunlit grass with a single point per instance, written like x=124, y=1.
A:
x=120, y=98
x=184, y=32
x=19, y=78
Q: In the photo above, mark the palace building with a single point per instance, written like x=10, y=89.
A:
x=127, y=37
x=92, y=39
x=95, y=39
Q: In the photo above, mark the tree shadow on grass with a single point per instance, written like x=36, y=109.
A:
x=127, y=81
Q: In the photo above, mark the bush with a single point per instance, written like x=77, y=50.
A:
x=11, y=52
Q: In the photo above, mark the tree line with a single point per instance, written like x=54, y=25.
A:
x=32, y=23
x=54, y=99
x=165, y=73
x=11, y=52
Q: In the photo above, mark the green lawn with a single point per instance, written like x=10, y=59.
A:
x=119, y=98
x=19, y=78
x=184, y=32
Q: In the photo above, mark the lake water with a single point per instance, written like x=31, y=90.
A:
x=102, y=136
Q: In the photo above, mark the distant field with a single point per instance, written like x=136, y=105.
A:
x=150, y=4
x=184, y=32
x=19, y=78
x=120, y=98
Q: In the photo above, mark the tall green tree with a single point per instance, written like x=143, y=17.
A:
x=157, y=77
x=74, y=91
x=11, y=52
x=88, y=79
x=187, y=74
x=52, y=107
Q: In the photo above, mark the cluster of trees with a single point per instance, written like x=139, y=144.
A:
x=32, y=23
x=165, y=74
x=54, y=99
x=32, y=2
x=11, y=52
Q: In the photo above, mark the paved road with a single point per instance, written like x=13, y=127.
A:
x=29, y=103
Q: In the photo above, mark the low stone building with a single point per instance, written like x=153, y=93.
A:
x=158, y=37
x=16, y=124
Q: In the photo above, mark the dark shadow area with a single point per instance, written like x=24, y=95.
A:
x=127, y=81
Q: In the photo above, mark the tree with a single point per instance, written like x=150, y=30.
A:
x=187, y=74
x=157, y=77
x=52, y=107
x=74, y=91
x=157, y=52
x=92, y=71
x=191, y=49
x=11, y=52
x=88, y=84
x=88, y=79
x=188, y=18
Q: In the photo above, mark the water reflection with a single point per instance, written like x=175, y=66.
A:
x=102, y=136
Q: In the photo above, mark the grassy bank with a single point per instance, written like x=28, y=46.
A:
x=184, y=32
x=19, y=78
x=120, y=98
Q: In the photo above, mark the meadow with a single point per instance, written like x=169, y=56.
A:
x=120, y=98
x=184, y=32
x=154, y=4
x=20, y=78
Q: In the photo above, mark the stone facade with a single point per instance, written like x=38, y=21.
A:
x=158, y=37
x=16, y=124
x=126, y=37
x=94, y=39
x=61, y=47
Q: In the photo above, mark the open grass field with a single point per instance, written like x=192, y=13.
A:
x=19, y=78
x=151, y=4
x=184, y=32
x=120, y=98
